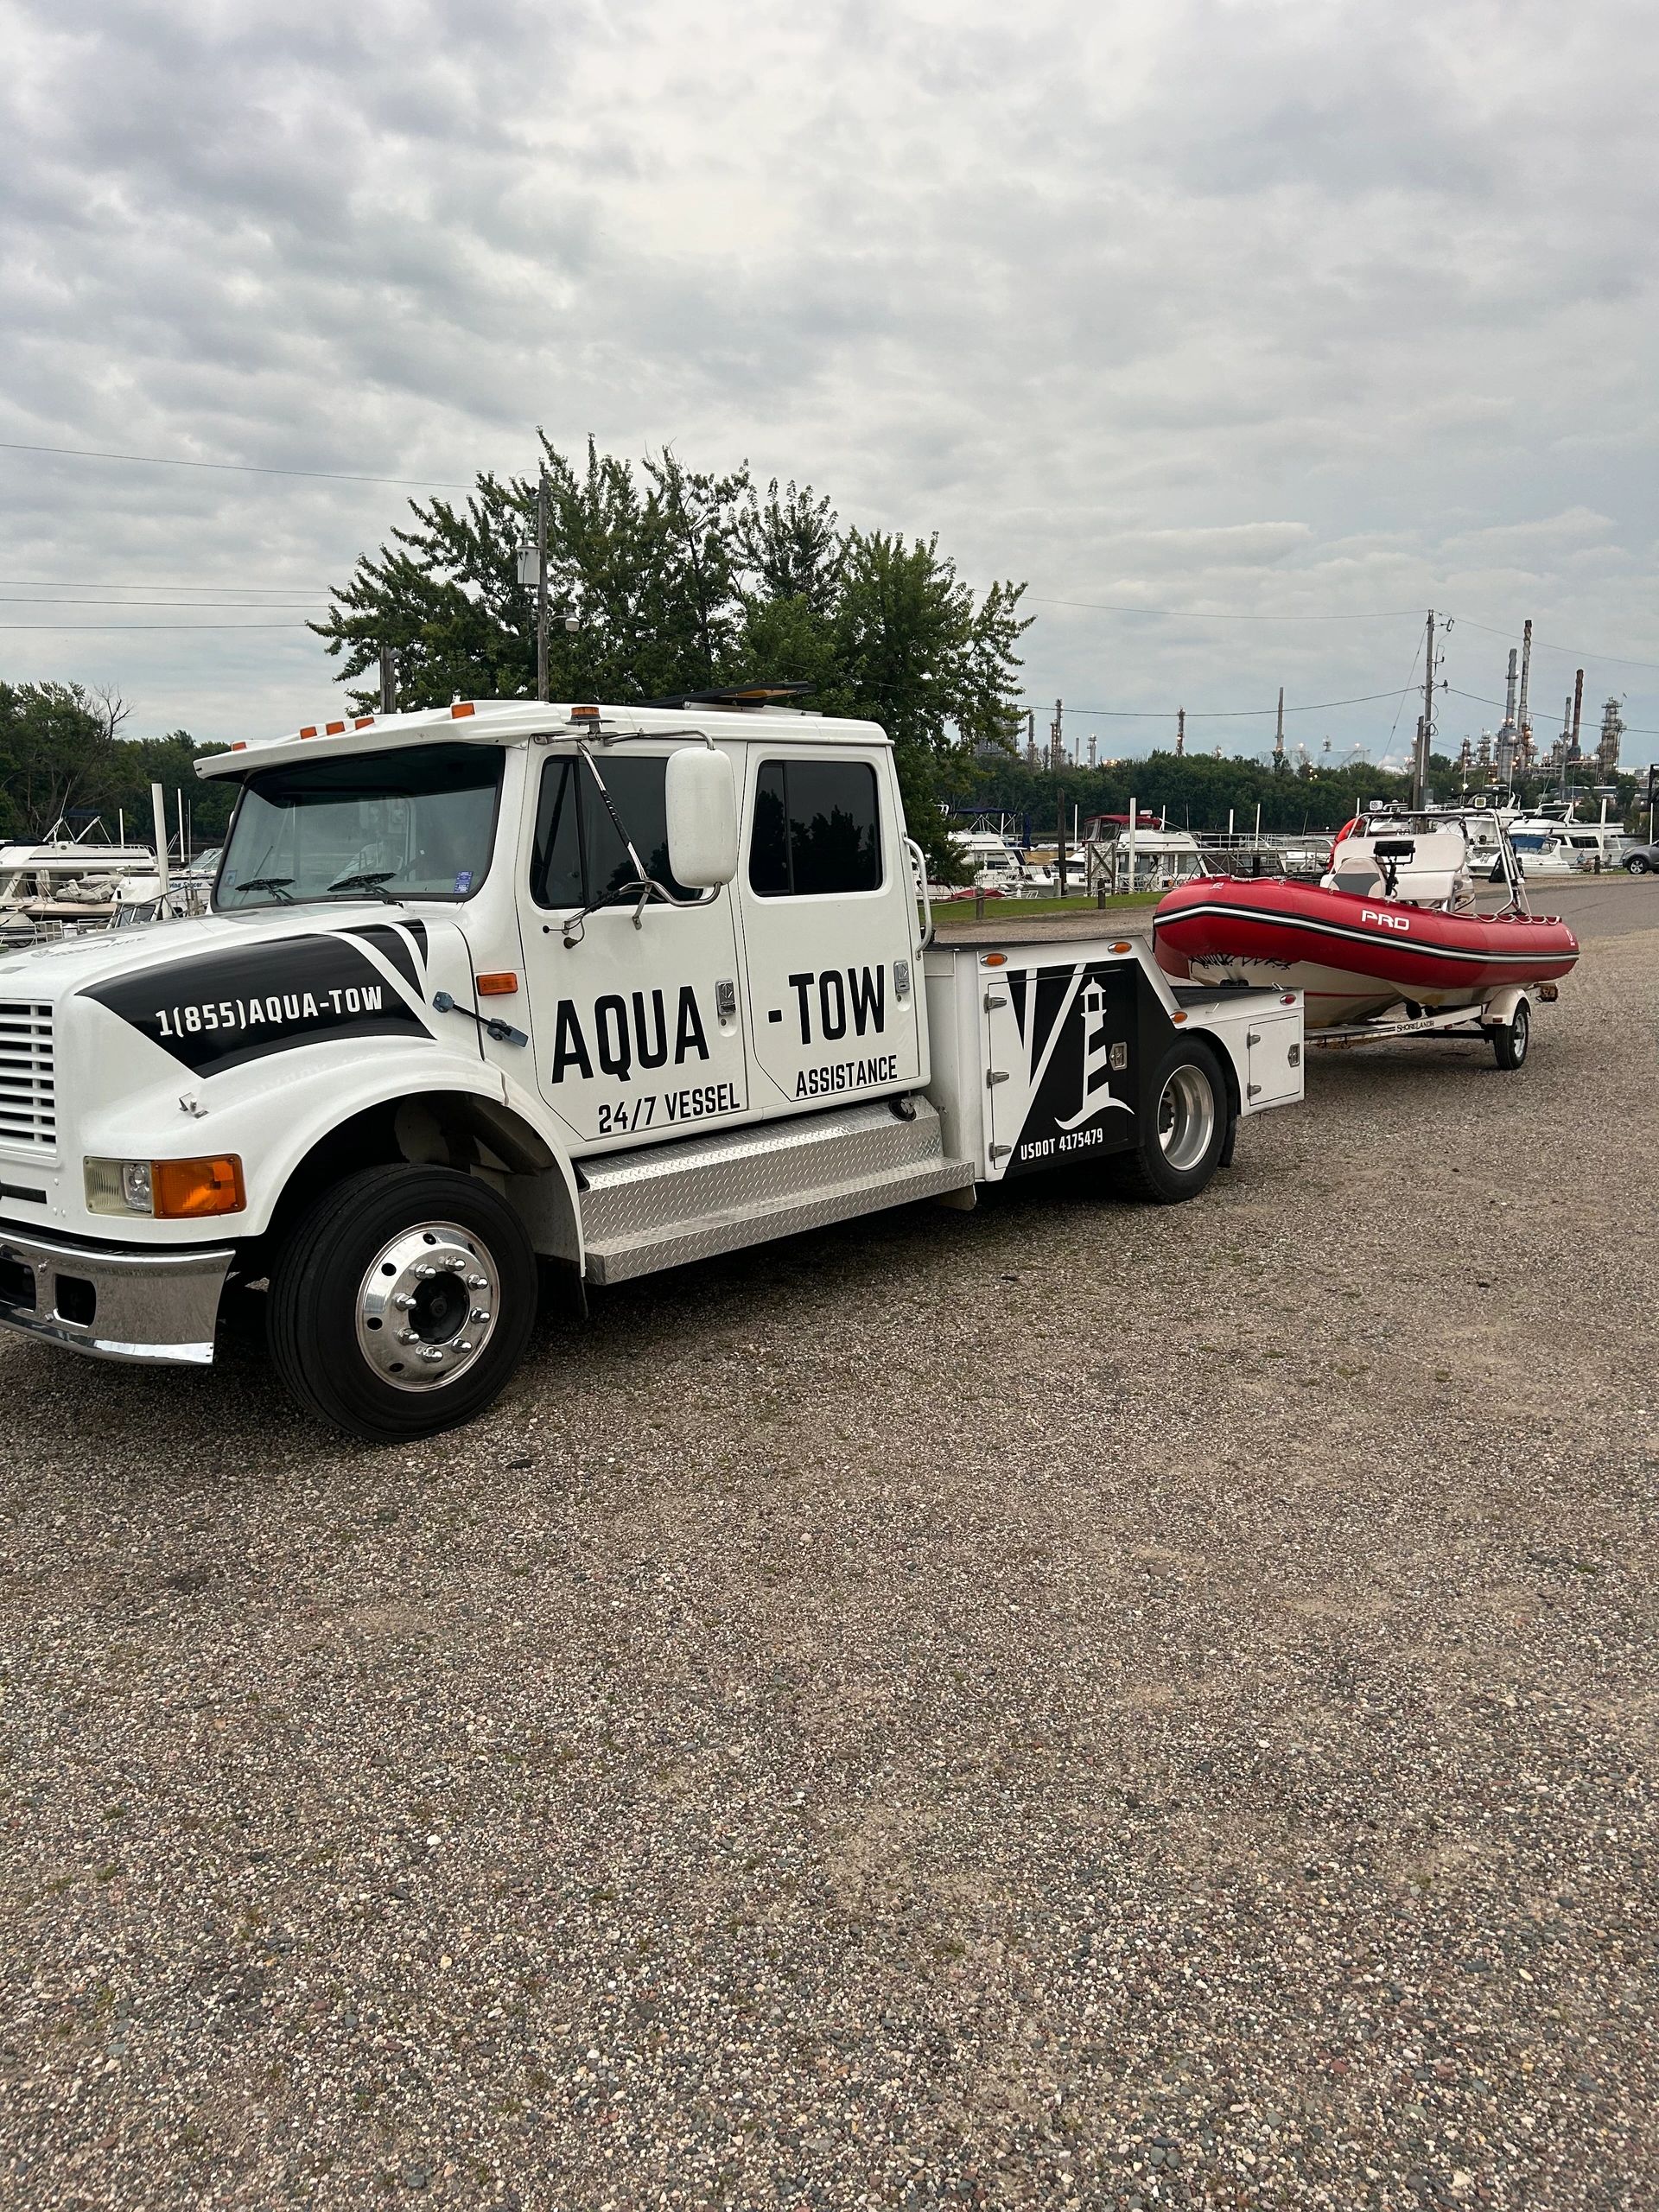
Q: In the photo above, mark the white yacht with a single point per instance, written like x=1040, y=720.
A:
x=65, y=883
x=993, y=862
x=1147, y=856
x=1552, y=844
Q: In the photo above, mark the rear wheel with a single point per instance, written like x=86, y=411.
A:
x=1183, y=1131
x=1511, y=1037
x=401, y=1302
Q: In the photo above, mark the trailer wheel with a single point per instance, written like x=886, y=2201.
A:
x=1511, y=1037
x=401, y=1302
x=1184, y=1128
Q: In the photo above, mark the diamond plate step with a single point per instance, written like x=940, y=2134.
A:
x=643, y=1211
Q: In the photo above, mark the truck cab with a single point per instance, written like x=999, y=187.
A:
x=505, y=983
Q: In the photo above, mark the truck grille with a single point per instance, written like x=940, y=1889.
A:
x=29, y=1113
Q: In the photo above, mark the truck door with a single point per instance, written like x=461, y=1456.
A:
x=639, y=1031
x=829, y=928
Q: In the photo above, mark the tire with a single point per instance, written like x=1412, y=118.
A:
x=1637, y=864
x=1184, y=1128
x=445, y=1349
x=1511, y=1039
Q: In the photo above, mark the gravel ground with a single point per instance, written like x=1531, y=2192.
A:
x=1065, y=1705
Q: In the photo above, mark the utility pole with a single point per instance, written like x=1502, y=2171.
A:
x=1031, y=737
x=388, y=679
x=1279, y=733
x=1578, y=713
x=1426, y=727
x=1054, y=740
x=540, y=584
x=1522, y=727
x=1180, y=732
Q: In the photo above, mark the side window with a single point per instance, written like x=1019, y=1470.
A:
x=817, y=829
x=579, y=859
x=555, y=866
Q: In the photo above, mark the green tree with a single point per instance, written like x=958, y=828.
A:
x=668, y=580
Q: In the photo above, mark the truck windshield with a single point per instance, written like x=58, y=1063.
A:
x=419, y=824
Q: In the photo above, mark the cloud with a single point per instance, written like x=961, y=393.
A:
x=1261, y=310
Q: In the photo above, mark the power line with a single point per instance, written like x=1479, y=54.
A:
x=184, y=605
x=1572, y=652
x=1381, y=614
x=1224, y=714
x=1481, y=700
x=89, y=583
x=1190, y=615
x=236, y=468
x=97, y=629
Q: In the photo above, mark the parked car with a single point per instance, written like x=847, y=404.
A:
x=1643, y=860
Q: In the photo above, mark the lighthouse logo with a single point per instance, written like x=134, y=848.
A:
x=1077, y=1029
x=1099, y=1054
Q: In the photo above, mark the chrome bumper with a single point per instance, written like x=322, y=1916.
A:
x=122, y=1302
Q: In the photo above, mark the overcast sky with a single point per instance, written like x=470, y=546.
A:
x=1286, y=308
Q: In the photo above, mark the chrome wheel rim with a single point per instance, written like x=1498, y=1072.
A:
x=1186, y=1118
x=1520, y=1029
x=427, y=1305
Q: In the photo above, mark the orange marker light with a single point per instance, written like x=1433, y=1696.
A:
x=332, y=729
x=363, y=722
x=241, y=745
x=1122, y=945
x=310, y=732
x=460, y=712
x=501, y=986
x=185, y=1189
x=1177, y=1017
x=994, y=959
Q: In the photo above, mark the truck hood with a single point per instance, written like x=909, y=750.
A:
x=49, y=973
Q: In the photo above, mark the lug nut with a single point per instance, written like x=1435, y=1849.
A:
x=480, y=1314
x=426, y=1270
x=407, y=1337
x=463, y=1347
x=432, y=1352
x=478, y=1282
x=403, y=1299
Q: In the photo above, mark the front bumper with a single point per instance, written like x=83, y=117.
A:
x=113, y=1301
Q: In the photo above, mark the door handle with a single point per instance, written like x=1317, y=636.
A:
x=725, y=1000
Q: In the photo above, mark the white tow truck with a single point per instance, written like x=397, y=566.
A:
x=503, y=982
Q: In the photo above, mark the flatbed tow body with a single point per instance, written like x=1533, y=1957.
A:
x=1054, y=1044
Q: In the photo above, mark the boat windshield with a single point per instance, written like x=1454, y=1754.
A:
x=416, y=823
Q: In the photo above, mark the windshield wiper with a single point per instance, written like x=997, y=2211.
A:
x=371, y=881
x=279, y=884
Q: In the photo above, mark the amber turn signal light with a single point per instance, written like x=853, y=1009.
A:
x=185, y=1189
x=501, y=986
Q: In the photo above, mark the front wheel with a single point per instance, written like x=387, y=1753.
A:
x=401, y=1302
x=1183, y=1132
x=1511, y=1037
x=1637, y=864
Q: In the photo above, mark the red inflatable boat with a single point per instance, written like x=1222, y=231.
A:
x=1350, y=956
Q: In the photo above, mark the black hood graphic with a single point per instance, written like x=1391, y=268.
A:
x=221, y=1009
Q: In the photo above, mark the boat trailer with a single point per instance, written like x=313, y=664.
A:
x=1502, y=1020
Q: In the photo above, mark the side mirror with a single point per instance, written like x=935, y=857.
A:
x=700, y=800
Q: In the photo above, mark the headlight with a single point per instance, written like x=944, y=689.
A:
x=167, y=1190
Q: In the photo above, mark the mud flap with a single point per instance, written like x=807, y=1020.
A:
x=1224, y=1158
